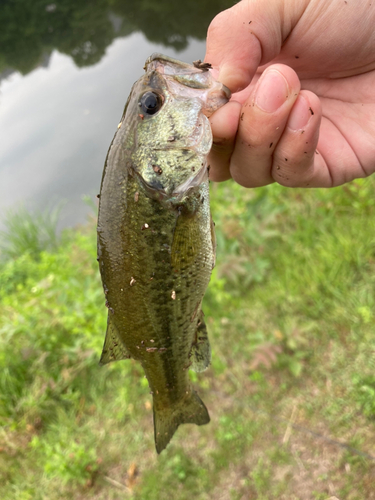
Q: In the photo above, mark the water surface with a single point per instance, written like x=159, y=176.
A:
x=66, y=70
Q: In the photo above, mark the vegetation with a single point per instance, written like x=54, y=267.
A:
x=29, y=232
x=291, y=389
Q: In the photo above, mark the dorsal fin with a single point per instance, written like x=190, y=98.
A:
x=113, y=348
x=200, y=354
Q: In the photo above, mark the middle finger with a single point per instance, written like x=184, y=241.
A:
x=262, y=122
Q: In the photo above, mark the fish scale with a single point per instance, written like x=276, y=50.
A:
x=156, y=246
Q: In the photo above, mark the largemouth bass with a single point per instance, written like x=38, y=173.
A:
x=156, y=244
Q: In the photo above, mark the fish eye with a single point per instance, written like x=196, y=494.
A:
x=150, y=103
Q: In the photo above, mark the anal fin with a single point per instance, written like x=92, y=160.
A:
x=113, y=348
x=200, y=354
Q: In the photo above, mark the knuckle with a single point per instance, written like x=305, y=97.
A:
x=285, y=178
x=255, y=137
x=239, y=176
x=290, y=173
x=287, y=181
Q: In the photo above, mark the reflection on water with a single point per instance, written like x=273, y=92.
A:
x=83, y=30
x=79, y=61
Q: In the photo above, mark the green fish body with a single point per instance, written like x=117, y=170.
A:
x=156, y=245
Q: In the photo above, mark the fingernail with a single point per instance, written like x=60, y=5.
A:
x=271, y=92
x=300, y=114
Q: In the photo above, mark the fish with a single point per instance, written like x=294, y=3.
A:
x=155, y=235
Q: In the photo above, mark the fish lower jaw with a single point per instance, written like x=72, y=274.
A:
x=191, y=183
x=174, y=194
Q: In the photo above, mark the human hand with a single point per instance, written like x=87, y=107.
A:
x=303, y=77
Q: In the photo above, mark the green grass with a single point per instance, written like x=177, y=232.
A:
x=290, y=312
x=29, y=232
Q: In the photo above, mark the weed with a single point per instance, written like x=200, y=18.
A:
x=290, y=317
x=29, y=232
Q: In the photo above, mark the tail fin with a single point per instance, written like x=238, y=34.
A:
x=166, y=420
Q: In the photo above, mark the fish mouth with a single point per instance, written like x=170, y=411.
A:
x=187, y=80
x=169, y=64
x=191, y=83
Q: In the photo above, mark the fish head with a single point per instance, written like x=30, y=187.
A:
x=168, y=109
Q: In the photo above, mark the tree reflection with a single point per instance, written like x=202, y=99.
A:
x=30, y=30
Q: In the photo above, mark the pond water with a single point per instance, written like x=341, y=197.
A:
x=65, y=73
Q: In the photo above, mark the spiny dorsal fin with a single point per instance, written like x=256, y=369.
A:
x=200, y=354
x=113, y=348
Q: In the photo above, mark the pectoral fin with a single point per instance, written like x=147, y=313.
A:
x=113, y=348
x=186, y=242
x=200, y=354
x=214, y=242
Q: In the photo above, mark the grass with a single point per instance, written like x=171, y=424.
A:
x=29, y=232
x=291, y=389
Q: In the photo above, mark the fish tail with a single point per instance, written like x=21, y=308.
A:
x=166, y=420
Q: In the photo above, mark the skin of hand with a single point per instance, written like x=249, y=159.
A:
x=302, y=73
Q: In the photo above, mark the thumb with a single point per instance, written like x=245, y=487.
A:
x=248, y=35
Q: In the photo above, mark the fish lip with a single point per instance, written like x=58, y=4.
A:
x=156, y=56
x=170, y=61
x=227, y=92
x=189, y=78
